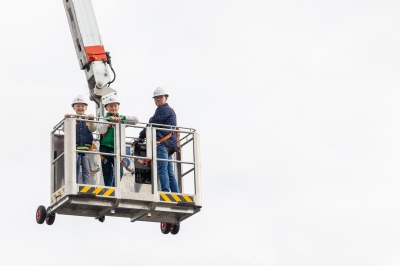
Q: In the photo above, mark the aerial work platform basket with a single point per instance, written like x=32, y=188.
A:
x=136, y=194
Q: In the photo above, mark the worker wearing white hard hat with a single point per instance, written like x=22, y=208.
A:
x=80, y=104
x=167, y=142
x=159, y=91
x=84, y=139
x=111, y=104
x=79, y=99
x=110, y=98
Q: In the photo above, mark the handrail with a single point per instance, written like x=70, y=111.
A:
x=129, y=141
x=98, y=118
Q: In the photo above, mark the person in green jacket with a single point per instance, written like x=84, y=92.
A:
x=111, y=105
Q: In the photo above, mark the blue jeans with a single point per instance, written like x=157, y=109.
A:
x=83, y=159
x=165, y=170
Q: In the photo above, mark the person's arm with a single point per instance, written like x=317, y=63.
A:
x=102, y=128
x=130, y=119
x=161, y=115
x=91, y=125
x=142, y=134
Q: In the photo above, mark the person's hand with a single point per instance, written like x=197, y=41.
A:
x=116, y=119
x=90, y=117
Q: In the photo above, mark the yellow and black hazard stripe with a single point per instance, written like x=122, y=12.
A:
x=170, y=197
x=97, y=191
x=57, y=195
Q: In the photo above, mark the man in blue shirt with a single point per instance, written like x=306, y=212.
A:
x=167, y=142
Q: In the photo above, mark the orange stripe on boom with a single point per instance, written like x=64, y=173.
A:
x=95, y=53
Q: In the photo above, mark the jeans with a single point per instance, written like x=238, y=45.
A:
x=165, y=170
x=83, y=159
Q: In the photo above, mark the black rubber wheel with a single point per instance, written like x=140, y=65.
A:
x=40, y=214
x=165, y=228
x=175, y=228
x=50, y=218
x=102, y=218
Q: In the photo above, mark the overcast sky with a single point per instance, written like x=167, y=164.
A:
x=297, y=104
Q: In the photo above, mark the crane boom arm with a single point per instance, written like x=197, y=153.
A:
x=92, y=57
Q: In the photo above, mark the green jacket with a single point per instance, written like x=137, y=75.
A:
x=107, y=138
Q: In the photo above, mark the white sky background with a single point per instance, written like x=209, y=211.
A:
x=296, y=103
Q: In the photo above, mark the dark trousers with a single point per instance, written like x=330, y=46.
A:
x=107, y=164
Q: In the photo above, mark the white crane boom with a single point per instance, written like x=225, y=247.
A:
x=92, y=57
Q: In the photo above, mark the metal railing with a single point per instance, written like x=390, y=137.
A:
x=63, y=153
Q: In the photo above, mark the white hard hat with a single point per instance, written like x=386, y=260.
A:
x=110, y=98
x=79, y=99
x=160, y=91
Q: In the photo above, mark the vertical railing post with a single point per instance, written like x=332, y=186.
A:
x=197, y=167
x=70, y=155
x=117, y=152
x=178, y=167
x=53, y=173
x=153, y=147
